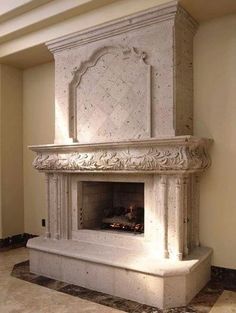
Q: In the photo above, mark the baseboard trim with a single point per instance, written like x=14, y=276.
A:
x=225, y=276
x=15, y=241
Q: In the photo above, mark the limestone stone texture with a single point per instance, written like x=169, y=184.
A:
x=124, y=114
x=136, y=72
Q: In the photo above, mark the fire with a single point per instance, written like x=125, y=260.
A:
x=120, y=218
x=139, y=228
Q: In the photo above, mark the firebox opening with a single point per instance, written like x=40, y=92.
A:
x=114, y=206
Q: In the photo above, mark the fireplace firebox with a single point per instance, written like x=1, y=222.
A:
x=112, y=205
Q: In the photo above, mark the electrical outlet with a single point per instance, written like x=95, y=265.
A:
x=43, y=222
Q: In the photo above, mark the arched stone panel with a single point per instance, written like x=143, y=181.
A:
x=110, y=97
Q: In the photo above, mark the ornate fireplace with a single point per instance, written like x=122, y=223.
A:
x=122, y=178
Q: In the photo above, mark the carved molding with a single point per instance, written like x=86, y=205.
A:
x=131, y=22
x=181, y=157
x=79, y=71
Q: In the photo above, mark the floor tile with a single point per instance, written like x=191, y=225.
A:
x=20, y=296
x=226, y=303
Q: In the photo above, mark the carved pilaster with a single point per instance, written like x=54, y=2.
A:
x=179, y=216
x=69, y=214
x=164, y=214
x=65, y=207
x=185, y=213
x=195, y=213
x=76, y=205
x=48, y=220
x=57, y=210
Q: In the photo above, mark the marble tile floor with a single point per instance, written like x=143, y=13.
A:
x=226, y=303
x=20, y=296
x=23, y=292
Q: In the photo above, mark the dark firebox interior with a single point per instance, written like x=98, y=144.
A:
x=113, y=205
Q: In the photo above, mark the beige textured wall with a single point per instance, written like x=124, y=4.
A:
x=38, y=110
x=215, y=117
x=0, y=155
x=12, y=206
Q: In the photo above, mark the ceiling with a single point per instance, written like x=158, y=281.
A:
x=201, y=10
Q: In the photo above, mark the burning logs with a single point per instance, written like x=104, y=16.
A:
x=126, y=219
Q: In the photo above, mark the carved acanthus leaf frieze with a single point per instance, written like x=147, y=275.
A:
x=145, y=159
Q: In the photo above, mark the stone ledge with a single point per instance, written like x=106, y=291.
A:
x=138, y=261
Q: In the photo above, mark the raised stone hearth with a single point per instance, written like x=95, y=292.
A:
x=124, y=155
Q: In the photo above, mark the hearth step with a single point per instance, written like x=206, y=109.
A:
x=135, y=275
x=137, y=260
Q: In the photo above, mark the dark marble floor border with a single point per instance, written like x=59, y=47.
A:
x=13, y=242
x=224, y=276
x=202, y=303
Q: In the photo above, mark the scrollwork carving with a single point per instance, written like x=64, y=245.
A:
x=144, y=159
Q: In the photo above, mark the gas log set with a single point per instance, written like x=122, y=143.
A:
x=129, y=219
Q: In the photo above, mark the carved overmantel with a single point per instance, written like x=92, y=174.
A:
x=169, y=155
x=127, y=79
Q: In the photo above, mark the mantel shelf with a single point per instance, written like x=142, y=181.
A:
x=170, y=154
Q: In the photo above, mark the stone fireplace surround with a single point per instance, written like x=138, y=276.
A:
x=124, y=114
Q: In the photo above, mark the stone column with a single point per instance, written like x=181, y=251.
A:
x=164, y=214
x=185, y=213
x=179, y=216
x=48, y=220
x=65, y=214
x=195, y=213
x=57, y=209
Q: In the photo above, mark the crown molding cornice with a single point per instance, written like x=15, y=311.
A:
x=131, y=22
